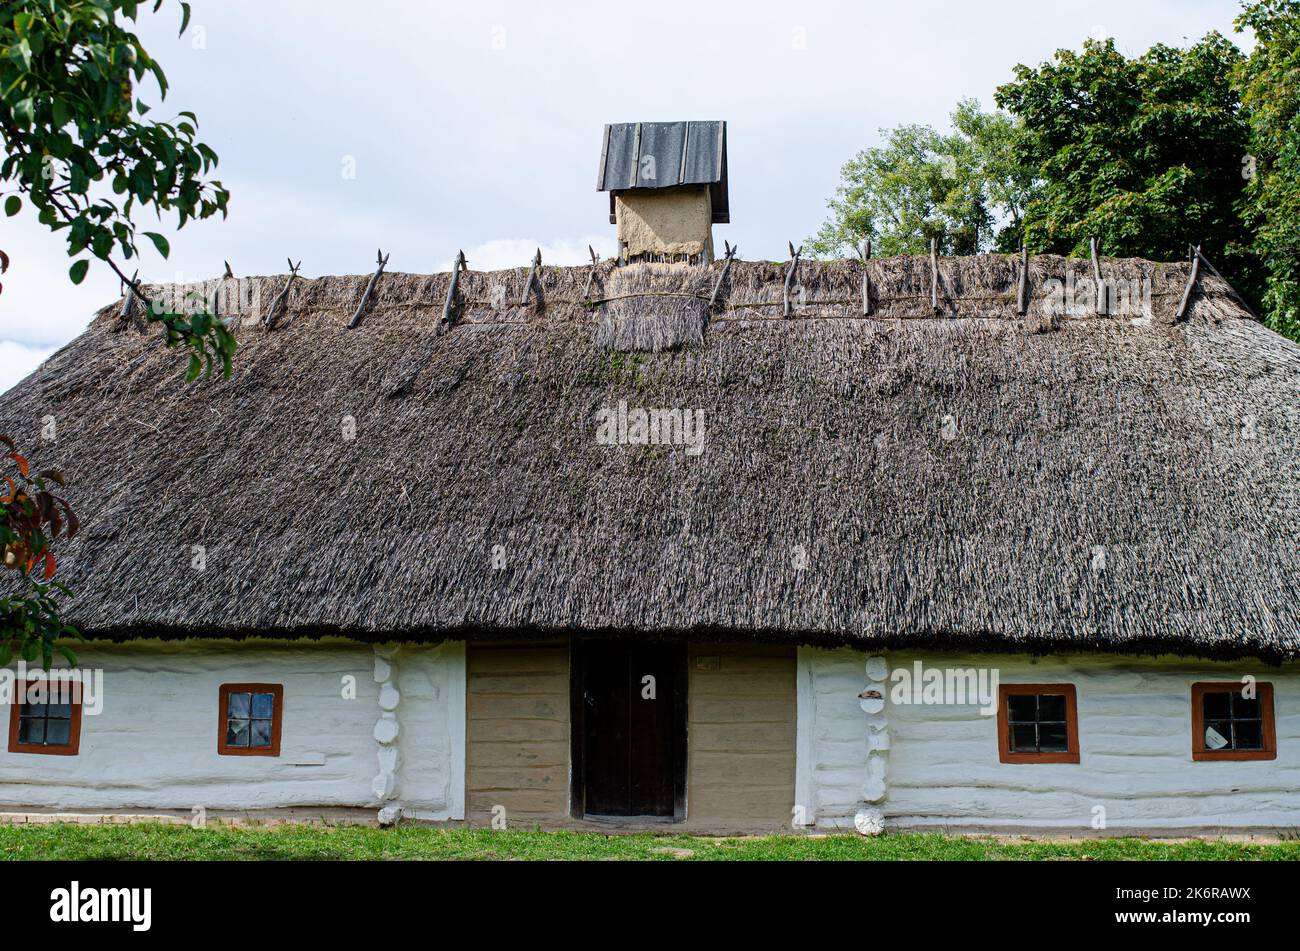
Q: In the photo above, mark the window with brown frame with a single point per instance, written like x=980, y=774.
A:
x=1226, y=724
x=45, y=717
x=249, y=719
x=1038, y=723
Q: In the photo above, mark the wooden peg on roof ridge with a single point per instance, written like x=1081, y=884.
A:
x=787, y=310
x=129, y=300
x=453, y=285
x=591, y=275
x=1101, y=298
x=381, y=260
x=934, y=274
x=533, y=278
x=273, y=312
x=726, y=268
x=866, y=278
x=1191, y=283
x=1022, y=290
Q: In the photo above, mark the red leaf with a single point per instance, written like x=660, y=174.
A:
x=22, y=463
x=49, y=564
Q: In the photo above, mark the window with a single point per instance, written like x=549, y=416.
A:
x=1228, y=725
x=46, y=718
x=249, y=719
x=1037, y=723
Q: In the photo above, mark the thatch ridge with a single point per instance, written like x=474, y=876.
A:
x=966, y=478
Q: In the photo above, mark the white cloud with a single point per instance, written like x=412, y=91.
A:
x=17, y=360
x=501, y=253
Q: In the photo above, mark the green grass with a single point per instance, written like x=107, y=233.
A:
x=158, y=841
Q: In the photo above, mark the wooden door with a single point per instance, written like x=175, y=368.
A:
x=629, y=729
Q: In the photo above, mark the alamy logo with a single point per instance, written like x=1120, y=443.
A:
x=950, y=686
x=621, y=426
x=75, y=904
x=1117, y=298
x=85, y=686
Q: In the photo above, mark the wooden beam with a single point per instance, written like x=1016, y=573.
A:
x=591, y=275
x=1101, y=303
x=449, y=304
x=934, y=274
x=726, y=269
x=1191, y=283
x=532, y=277
x=1022, y=291
x=129, y=301
x=382, y=260
x=866, y=279
x=790, y=273
x=273, y=312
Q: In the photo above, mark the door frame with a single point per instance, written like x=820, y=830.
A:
x=577, y=730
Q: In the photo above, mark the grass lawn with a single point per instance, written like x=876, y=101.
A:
x=158, y=841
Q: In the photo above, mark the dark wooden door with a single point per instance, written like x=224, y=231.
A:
x=631, y=728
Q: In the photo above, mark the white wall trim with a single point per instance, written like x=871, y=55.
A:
x=387, y=734
x=805, y=760
x=456, y=726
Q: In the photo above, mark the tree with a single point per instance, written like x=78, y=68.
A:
x=1144, y=154
x=79, y=149
x=1269, y=81
x=967, y=189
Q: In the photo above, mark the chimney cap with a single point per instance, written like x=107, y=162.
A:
x=642, y=155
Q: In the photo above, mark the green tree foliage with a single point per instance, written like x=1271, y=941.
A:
x=1145, y=154
x=1269, y=81
x=1148, y=154
x=961, y=188
x=80, y=151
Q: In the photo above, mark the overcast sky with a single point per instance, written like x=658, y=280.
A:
x=478, y=125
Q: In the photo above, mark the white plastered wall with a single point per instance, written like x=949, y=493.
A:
x=1135, y=749
x=154, y=745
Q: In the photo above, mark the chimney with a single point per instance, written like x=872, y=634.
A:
x=667, y=184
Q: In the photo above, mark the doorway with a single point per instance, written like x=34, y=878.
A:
x=628, y=713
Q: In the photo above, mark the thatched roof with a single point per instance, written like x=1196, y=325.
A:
x=968, y=478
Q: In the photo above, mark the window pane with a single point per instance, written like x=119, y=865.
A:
x=263, y=704
x=1248, y=735
x=1218, y=735
x=58, y=732
x=261, y=733
x=1053, y=738
x=59, y=710
x=1021, y=707
x=236, y=732
x=1217, y=706
x=34, y=710
x=238, y=706
x=1243, y=709
x=1051, y=707
x=1023, y=738
x=31, y=730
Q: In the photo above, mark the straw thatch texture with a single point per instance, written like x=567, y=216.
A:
x=969, y=478
x=654, y=307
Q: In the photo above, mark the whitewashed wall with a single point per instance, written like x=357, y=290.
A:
x=831, y=740
x=431, y=769
x=1135, y=749
x=154, y=745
